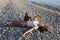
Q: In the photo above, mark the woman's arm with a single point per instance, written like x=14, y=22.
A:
x=27, y=32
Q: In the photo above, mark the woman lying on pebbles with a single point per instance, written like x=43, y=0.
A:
x=34, y=24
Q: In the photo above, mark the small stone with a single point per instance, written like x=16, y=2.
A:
x=9, y=31
x=47, y=35
x=0, y=28
x=4, y=31
x=4, y=36
x=0, y=35
x=7, y=28
x=57, y=32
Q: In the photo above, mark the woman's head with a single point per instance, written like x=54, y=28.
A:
x=43, y=28
x=35, y=17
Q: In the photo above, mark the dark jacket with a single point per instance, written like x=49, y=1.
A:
x=26, y=18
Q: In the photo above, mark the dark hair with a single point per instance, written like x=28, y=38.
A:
x=26, y=13
x=44, y=28
x=26, y=17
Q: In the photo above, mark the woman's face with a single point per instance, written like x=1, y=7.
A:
x=35, y=18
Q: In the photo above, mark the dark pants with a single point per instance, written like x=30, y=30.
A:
x=24, y=24
x=16, y=24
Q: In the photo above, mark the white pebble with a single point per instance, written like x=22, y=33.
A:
x=0, y=28
x=59, y=29
x=4, y=31
x=57, y=32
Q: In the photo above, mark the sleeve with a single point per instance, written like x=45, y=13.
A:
x=36, y=26
x=37, y=22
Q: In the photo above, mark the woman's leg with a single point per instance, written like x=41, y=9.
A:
x=16, y=24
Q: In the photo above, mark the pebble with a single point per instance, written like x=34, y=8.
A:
x=0, y=35
x=0, y=28
x=4, y=31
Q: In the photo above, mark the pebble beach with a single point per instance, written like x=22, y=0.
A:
x=14, y=10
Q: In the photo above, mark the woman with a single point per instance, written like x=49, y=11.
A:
x=34, y=24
